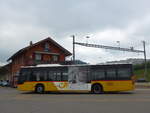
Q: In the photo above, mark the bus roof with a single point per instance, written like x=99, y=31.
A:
x=58, y=65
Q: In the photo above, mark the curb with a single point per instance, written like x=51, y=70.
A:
x=142, y=85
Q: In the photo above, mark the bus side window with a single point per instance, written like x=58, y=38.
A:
x=83, y=74
x=64, y=76
x=51, y=76
x=124, y=73
x=38, y=76
x=111, y=74
x=54, y=76
x=33, y=76
x=43, y=75
x=98, y=75
x=26, y=75
x=58, y=78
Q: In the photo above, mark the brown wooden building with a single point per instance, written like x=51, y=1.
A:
x=46, y=51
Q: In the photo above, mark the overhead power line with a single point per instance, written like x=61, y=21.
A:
x=109, y=47
x=131, y=49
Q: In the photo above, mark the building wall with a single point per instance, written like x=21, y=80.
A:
x=30, y=55
x=17, y=62
x=28, y=58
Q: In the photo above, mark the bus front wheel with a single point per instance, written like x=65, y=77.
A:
x=39, y=89
x=97, y=89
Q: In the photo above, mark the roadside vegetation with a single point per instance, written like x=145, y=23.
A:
x=139, y=70
x=3, y=72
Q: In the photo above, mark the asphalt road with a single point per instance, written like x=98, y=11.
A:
x=13, y=101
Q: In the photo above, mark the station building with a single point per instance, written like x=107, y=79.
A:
x=46, y=51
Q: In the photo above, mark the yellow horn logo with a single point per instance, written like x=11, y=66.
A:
x=63, y=85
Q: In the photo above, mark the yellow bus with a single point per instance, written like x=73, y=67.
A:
x=76, y=78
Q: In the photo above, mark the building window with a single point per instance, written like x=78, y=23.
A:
x=46, y=47
x=55, y=58
x=38, y=57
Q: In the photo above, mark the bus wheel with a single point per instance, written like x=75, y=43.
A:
x=97, y=89
x=39, y=89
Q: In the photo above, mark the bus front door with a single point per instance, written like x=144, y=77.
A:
x=78, y=78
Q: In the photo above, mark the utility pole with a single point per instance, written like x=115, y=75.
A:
x=145, y=61
x=73, y=43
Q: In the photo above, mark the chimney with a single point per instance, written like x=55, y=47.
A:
x=31, y=43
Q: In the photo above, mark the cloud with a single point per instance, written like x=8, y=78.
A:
x=128, y=37
x=15, y=37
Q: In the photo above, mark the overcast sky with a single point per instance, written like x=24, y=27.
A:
x=105, y=21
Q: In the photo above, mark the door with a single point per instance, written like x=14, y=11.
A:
x=78, y=78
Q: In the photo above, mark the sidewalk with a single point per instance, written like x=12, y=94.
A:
x=142, y=85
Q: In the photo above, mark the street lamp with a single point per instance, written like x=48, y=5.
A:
x=118, y=42
x=87, y=37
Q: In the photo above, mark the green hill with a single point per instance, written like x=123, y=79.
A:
x=139, y=71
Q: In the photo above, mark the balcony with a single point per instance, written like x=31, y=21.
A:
x=36, y=62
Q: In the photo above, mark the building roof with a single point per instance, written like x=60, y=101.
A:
x=67, y=53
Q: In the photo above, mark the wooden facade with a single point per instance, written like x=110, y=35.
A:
x=46, y=51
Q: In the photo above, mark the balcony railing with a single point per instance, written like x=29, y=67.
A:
x=36, y=62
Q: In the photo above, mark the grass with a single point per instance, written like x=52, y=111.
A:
x=140, y=73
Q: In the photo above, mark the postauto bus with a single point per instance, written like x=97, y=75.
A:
x=72, y=78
